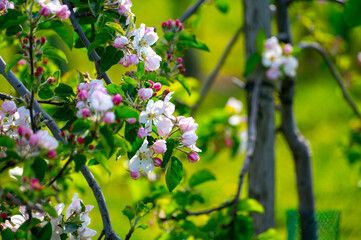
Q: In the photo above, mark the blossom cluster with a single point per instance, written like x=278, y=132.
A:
x=76, y=213
x=278, y=60
x=5, y=5
x=160, y=114
x=15, y=123
x=95, y=103
x=49, y=7
x=123, y=8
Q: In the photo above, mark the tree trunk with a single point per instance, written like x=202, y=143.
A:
x=262, y=165
x=297, y=143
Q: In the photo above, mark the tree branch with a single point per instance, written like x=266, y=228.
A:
x=107, y=225
x=4, y=96
x=335, y=74
x=22, y=91
x=208, y=211
x=86, y=42
x=60, y=173
x=212, y=76
x=189, y=11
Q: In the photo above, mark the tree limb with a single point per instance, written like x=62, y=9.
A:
x=86, y=42
x=60, y=173
x=212, y=76
x=189, y=11
x=335, y=74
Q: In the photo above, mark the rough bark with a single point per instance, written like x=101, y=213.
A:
x=297, y=143
x=262, y=165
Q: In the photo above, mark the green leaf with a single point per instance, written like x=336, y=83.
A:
x=143, y=208
x=182, y=80
x=63, y=113
x=130, y=81
x=39, y=167
x=169, y=36
x=260, y=39
x=126, y=112
x=66, y=33
x=70, y=227
x=270, y=234
x=250, y=205
x=81, y=125
x=64, y=90
x=143, y=226
x=114, y=89
x=166, y=157
x=92, y=6
x=46, y=92
x=7, y=234
x=222, y=5
x=14, y=60
x=351, y=13
x=107, y=139
x=129, y=212
x=140, y=70
x=102, y=160
x=110, y=57
x=197, y=45
x=200, y=177
x=163, y=80
x=174, y=173
x=50, y=210
x=253, y=60
x=6, y=141
x=55, y=54
x=116, y=27
x=80, y=160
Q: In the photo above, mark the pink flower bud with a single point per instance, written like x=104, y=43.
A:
x=170, y=23
x=160, y=146
x=45, y=11
x=43, y=40
x=21, y=130
x=109, y=117
x=169, y=56
x=164, y=24
x=28, y=133
x=117, y=99
x=120, y=42
x=180, y=60
x=189, y=138
x=83, y=95
x=21, y=62
x=9, y=107
x=180, y=27
x=85, y=112
x=157, y=162
x=51, y=80
x=4, y=215
x=82, y=86
x=134, y=175
x=165, y=92
x=151, y=83
x=145, y=93
x=35, y=184
x=2, y=6
x=52, y=154
x=180, y=66
x=177, y=22
x=157, y=87
x=133, y=59
x=193, y=157
x=359, y=58
x=131, y=120
x=64, y=12
x=287, y=49
x=142, y=133
x=80, y=140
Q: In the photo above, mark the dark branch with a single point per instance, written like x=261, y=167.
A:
x=227, y=204
x=192, y=9
x=86, y=42
x=60, y=173
x=32, y=119
x=334, y=72
x=131, y=231
x=212, y=76
x=107, y=225
x=4, y=96
x=13, y=200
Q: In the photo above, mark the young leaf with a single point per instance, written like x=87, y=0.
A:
x=55, y=54
x=126, y=112
x=46, y=92
x=100, y=158
x=6, y=141
x=14, y=60
x=111, y=57
x=114, y=89
x=250, y=205
x=260, y=39
x=64, y=90
x=201, y=177
x=116, y=27
x=50, y=209
x=222, y=5
x=66, y=33
x=174, y=173
x=182, y=80
x=351, y=13
x=39, y=167
x=80, y=160
x=70, y=227
x=140, y=70
x=253, y=60
x=130, y=81
x=45, y=232
x=129, y=212
x=170, y=146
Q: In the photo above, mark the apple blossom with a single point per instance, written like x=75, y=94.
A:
x=45, y=11
x=131, y=120
x=85, y=112
x=134, y=175
x=142, y=133
x=101, y=101
x=160, y=146
x=234, y=105
x=34, y=140
x=9, y=107
x=46, y=141
x=83, y=95
x=109, y=117
x=142, y=159
x=117, y=99
x=164, y=125
x=189, y=138
x=119, y=42
x=143, y=40
x=290, y=66
x=152, y=60
x=157, y=87
x=273, y=73
x=287, y=49
x=145, y=93
x=188, y=124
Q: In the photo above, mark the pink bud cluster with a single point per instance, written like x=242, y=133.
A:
x=54, y=7
x=95, y=103
x=172, y=26
x=278, y=60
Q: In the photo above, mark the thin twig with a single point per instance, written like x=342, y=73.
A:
x=4, y=96
x=131, y=231
x=208, y=211
x=32, y=120
x=252, y=133
x=60, y=173
x=335, y=74
x=212, y=76
x=19, y=202
x=189, y=11
x=238, y=83
x=335, y=1
x=101, y=235
x=85, y=41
